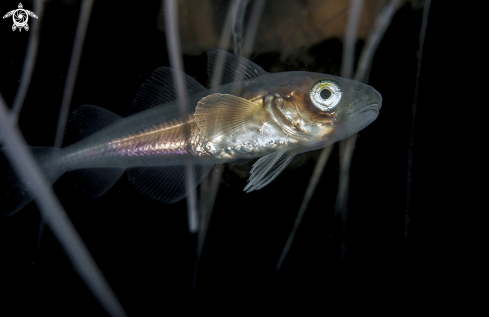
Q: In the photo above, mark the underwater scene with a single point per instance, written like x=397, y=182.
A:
x=310, y=108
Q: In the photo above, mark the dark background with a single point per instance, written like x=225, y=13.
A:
x=143, y=247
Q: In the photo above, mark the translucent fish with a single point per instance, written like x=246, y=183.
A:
x=252, y=114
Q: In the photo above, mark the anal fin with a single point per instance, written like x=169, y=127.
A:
x=95, y=181
x=166, y=183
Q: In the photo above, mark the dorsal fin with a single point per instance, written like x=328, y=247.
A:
x=231, y=67
x=160, y=88
x=86, y=120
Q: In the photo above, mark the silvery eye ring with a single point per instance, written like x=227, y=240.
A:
x=326, y=94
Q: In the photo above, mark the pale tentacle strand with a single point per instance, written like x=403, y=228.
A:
x=238, y=17
x=341, y=211
x=223, y=44
x=254, y=22
x=208, y=193
x=29, y=62
x=347, y=146
x=422, y=33
x=81, y=29
x=225, y=36
x=381, y=24
x=372, y=42
x=311, y=187
x=210, y=186
x=54, y=215
x=350, y=40
x=173, y=43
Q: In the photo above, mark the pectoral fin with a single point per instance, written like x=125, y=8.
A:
x=220, y=115
x=266, y=169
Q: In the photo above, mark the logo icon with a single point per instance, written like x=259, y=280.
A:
x=20, y=17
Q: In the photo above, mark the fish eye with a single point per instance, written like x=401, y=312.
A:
x=326, y=94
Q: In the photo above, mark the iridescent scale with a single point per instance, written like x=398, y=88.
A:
x=168, y=138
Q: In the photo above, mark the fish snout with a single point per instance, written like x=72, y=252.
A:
x=377, y=97
x=362, y=110
x=369, y=111
x=372, y=98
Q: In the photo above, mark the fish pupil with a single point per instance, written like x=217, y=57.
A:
x=325, y=93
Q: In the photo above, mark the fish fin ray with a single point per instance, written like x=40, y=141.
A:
x=86, y=120
x=234, y=67
x=95, y=181
x=160, y=88
x=166, y=183
x=222, y=114
x=266, y=169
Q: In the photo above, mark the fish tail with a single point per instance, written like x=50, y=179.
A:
x=15, y=192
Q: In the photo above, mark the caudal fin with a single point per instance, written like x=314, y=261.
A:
x=15, y=193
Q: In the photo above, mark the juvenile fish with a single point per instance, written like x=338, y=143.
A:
x=252, y=114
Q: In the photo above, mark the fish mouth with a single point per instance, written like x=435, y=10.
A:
x=358, y=121
x=368, y=114
x=361, y=114
x=371, y=107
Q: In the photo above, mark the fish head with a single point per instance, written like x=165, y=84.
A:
x=320, y=109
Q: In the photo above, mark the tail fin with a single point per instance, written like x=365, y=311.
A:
x=15, y=193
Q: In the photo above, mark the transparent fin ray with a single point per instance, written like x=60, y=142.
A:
x=266, y=169
x=267, y=178
x=160, y=89
x=231, y=67
x=95, y=181
x=220, y=115
x=86, y=120
x=166, y=184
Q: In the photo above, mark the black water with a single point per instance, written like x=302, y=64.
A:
x=143, y=247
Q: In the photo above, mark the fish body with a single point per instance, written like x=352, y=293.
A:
x=151, y=136
x=252, y=114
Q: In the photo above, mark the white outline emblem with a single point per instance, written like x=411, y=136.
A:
x=20, y=17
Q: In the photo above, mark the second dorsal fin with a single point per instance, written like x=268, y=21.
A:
x=230, y=67
x=87, y=120
x=160, y=88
